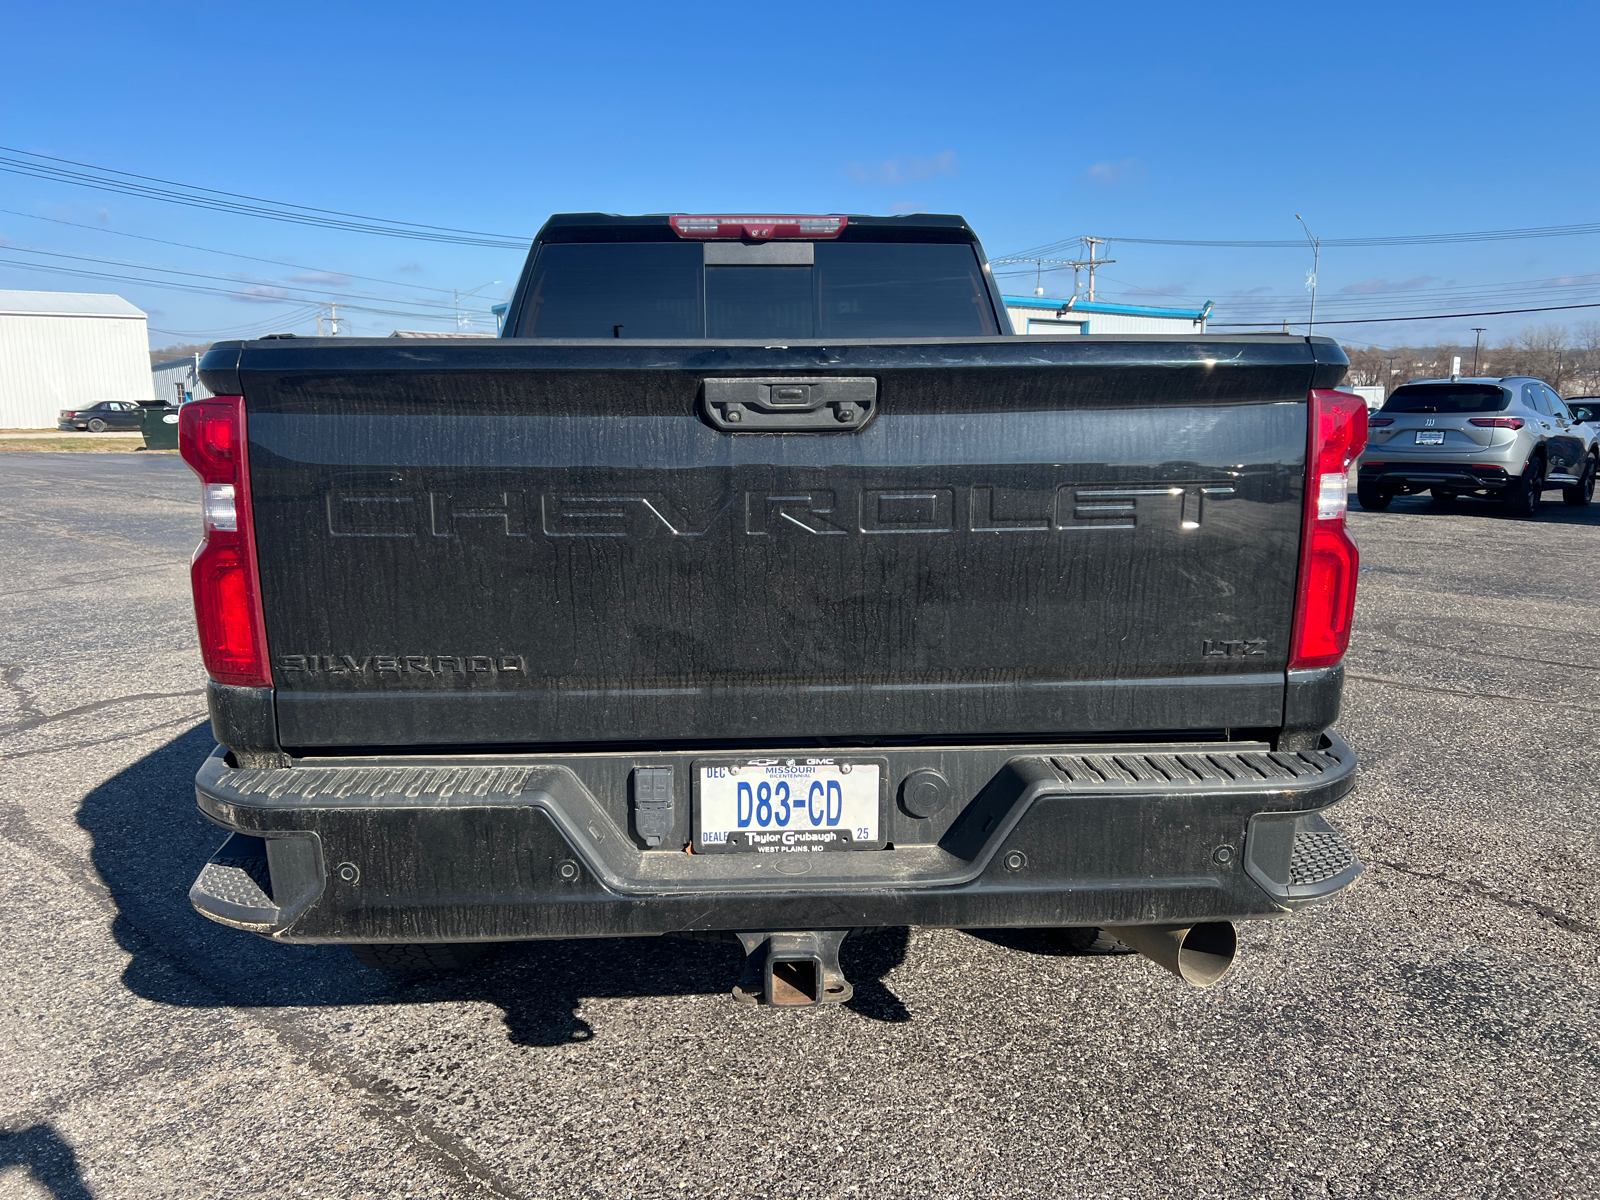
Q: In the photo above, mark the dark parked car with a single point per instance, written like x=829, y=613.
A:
x=108, y=414
x=1585, y=409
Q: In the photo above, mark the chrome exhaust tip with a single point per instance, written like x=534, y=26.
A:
x=1200, y=955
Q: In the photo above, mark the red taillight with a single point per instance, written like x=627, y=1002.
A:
x=758, y=229
x=1496, y=422
x=1379, y=422
x=227, y=591
x=1325, y=599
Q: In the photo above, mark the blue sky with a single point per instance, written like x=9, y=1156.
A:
x=1036, y=123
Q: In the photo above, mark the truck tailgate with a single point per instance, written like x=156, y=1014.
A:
x=527, y=542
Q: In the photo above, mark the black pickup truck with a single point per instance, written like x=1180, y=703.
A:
x=760, y=582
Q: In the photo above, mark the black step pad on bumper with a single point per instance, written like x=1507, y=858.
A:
x=1196, y=769
x=1298, y=858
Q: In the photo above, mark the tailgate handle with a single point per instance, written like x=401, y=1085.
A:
x=830, y=404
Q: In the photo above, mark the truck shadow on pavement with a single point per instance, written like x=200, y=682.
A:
x=47, y=1157
x=150, y=842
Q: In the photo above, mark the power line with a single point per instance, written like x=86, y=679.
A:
x=1583, y=229
x=1555, y=291
x=439, y=305
x=39, y=166
x=1497, y=312
x=1415, y=239
x=228, y=253
x=204, y=290
x=294, y=317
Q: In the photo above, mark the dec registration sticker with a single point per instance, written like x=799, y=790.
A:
x=788, y=806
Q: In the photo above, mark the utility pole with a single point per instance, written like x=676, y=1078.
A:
x=1091, y=262
x=1476, y=342
x=1311, y=279
x=460, y=296
x=333, y=317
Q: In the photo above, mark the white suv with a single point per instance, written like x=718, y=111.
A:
x=1509, y=438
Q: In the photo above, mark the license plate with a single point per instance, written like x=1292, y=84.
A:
x=788, y=806
x=1430, y=437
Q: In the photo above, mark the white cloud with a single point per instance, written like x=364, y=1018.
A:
x=1109, y=174
x=1383, y=285
x=1170, y=289
x=892, y=172
x=331, y=278
x=261, y=293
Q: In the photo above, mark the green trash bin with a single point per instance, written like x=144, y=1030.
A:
x=159, y=424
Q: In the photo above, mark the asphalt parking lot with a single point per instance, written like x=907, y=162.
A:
x=1433, y=1032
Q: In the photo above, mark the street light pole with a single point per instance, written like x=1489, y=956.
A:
x=460, y=296
x=1311, y=281
x=1476, y=342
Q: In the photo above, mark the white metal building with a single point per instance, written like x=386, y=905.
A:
x=1040, y=314
x=179, y=380
x=67, y=349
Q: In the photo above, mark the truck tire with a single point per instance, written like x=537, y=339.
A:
x=1372, y=498
x=1580, y=493
x=417, y=956
x=97, y=426
x=1524, y=493
x=1086, y=939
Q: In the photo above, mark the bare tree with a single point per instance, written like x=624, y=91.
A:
x=169, y=353
x=1369, y=366
x=1568, y=360
x=1586, y=348
x=1541, y=351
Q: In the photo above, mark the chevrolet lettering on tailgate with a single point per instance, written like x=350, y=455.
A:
x=930, y=509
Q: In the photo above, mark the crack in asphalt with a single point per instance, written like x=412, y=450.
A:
x=84, y=580
x=18, y=828
x=122, y=545
x=1393, y=630
x=1554, y=915
x=120, y=737
x=1444, y=691
x=445, y=1150
x=11, y=679
x=40, y=718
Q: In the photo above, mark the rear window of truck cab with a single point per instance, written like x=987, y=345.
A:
x=669, y=290
x=1448, y=398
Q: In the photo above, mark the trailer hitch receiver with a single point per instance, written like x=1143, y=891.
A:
x=792, y=969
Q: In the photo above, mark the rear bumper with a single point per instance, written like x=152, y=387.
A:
x=1401, y=476
x=540, y=846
